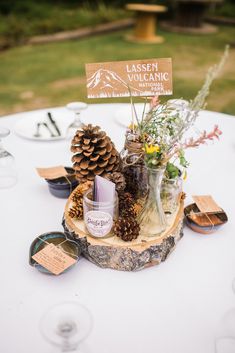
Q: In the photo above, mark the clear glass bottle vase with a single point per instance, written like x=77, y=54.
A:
x=153, y=220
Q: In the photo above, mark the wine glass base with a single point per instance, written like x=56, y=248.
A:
x=83, y=348
x=66, y=326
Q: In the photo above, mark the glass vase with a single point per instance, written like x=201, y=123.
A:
x=170, y=195
x=153, y=220
x=134, y=169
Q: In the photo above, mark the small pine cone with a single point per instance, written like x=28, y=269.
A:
x=81, y=189
x=126, y=200
x=126, y=229
x=94, y=153
x=118, y=179
x=76, y=211
x=128, y=212
x=76, y=196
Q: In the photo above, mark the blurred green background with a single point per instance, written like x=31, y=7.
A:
x=53, y=74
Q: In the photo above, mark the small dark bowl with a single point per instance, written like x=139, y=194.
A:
x=203, y=229
x=60, y=187
x=55, y=238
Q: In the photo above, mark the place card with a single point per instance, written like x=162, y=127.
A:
x=206, y=204
x=104, y=190
x=124, y=78
x=53, y=259
x=52, y=172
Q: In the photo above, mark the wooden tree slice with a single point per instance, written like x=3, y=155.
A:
x=114, y=253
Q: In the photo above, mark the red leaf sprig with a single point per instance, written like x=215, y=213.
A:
x=201, y=140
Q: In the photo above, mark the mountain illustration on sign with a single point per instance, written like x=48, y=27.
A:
x=107, y=81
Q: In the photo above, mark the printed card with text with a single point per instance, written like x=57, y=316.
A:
x=206, y=203
x=124, y=78
x=54, y=259
x=52, y=172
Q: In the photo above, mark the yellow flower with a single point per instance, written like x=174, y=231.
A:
x=151, y=149
x=132, y=126
x=185, y=175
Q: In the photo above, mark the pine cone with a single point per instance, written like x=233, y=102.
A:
x=128, y=212
x=126, y=229
x=81, y=189
x=126, y=205
x=126, y=200
x=94, y=153
x=118, y=179
x=76, y=211
x=76, y=196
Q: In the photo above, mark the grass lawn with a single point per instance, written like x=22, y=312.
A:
x=52, y=75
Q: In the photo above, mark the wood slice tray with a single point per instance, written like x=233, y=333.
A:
x=116, y=254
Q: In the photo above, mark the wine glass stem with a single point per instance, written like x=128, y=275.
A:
x=2, y=150
x=67, y=346
x=77, y=118
x=1, y=146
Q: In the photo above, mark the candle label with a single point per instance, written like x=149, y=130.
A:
x=124, y=78
x=53, y=259
x=206, y=203
x=52, y=172
x=98, y=223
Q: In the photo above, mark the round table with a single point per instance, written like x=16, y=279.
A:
x=173, y=307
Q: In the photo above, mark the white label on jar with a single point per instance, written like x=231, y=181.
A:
x=98, y=223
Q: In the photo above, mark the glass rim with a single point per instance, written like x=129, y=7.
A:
x=4, y=131
x=100, y=204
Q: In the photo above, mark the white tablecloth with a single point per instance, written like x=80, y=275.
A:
x=174, y=307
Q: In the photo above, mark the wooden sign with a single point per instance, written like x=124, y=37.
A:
x=124, y=78
x=206, y=204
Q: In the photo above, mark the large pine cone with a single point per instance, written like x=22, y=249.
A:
x=126, y=228
x=94, y=153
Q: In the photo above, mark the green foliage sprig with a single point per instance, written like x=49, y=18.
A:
x=199, y=101
x=163, y=127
